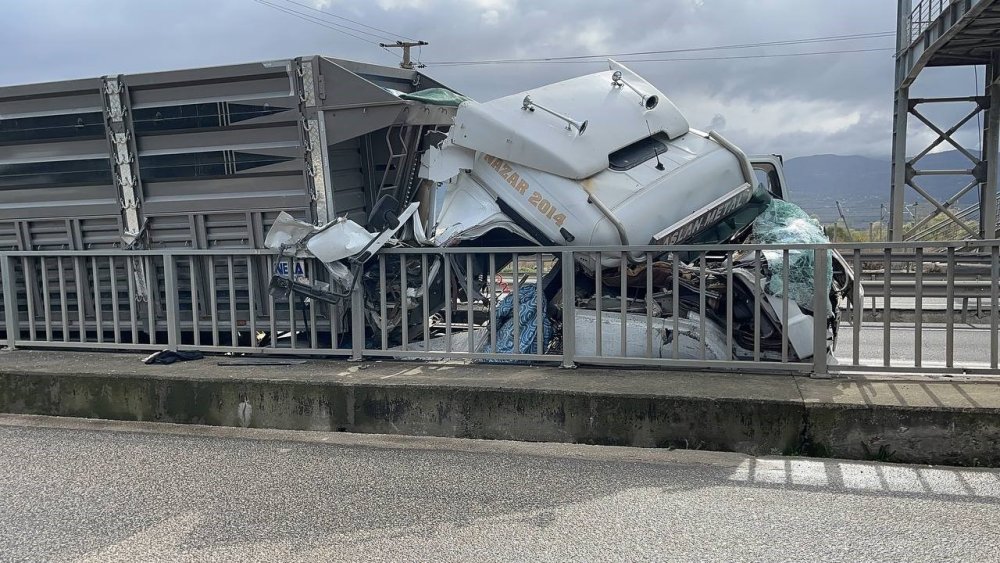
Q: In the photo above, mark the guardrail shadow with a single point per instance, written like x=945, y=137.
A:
x=869, y=477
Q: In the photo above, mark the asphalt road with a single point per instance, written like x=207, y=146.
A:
x=84, y=491
x=971, y=345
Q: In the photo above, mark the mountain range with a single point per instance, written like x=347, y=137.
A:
x=861, y=184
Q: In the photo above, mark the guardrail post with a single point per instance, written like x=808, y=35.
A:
x=820, y=300
x=358, y=322
x=568, y=266
x=172, y=303
x=9, y=300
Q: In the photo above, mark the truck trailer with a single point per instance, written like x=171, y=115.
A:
x=332, y=161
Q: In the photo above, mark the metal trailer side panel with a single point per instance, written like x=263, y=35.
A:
x=211, y=154
x=200, y=158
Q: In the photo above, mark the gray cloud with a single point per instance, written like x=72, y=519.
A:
x=793, y=105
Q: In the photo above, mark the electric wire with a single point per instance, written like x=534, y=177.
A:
x=682, y=59
x=786, y=42
x=329, y=25
x=387, y=34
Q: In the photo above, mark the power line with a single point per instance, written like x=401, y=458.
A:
x=831, y=38
x=387, y=33
x=329, y=25
x=675, y=59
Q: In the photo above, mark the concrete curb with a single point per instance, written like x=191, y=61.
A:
x=534, y=415
x=808, y=424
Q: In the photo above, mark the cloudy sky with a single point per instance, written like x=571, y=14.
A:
x=794, y=105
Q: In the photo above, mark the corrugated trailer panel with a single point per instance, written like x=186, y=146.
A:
x=199, y=148
x=200, y=158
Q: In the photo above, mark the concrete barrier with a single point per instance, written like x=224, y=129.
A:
x=941, y=422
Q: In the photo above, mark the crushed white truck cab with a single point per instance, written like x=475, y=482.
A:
x=606, y=160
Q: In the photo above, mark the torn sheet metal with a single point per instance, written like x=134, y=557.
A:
x=338, y=241
x=287, y=232
x=689, y=343
x=469, y=212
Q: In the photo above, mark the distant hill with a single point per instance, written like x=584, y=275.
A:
x=861, y=184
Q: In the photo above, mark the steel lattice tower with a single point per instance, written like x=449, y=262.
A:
x=937, y=33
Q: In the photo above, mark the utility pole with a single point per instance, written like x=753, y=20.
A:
x=846, y=224
x=406, y=63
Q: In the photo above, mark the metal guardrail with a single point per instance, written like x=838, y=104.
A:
x=923, y=15
x=219, y=301
x=969, y=282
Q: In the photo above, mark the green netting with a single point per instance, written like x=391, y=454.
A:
x=436, y=96
x=786, y=223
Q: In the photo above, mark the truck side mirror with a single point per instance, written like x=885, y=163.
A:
x=385, y=214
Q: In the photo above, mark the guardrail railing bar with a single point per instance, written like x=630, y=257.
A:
x=293, y=339
x=729, y=307
x=63, y=305
x=820, y=300
x=857, y=311
x=115, y=308
x=252, y=298
x=425, y=295
x=622, y=298
x=493, y=302
x=994, y=305
x=569, y=309
x=132, y=313
x=756, y=305
x=539, y=302
x=649, y=305
x=312, y=273
x=195, y=317
x=357, y=322
x=657, y=249
x=167, y=282
x=213, y=301
x=172, y=306
x=950, y=307
x=447, y=301
x=336, y=330
x=702, y=287
x=30, y=287
x=599, y=300
x=231, y=282
x=918, y=318
x=784, y=306
x=470, y=321
x=150, y=273
x=887, y=308
x=404, y=305
x=272, y=307
x=676, y=298
x=81, y=314
x=98, y=317
x=9, y=301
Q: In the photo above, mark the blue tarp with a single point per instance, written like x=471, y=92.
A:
x=528, y=313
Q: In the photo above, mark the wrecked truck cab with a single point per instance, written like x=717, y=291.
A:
x=604, y=160
x=635, y=169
